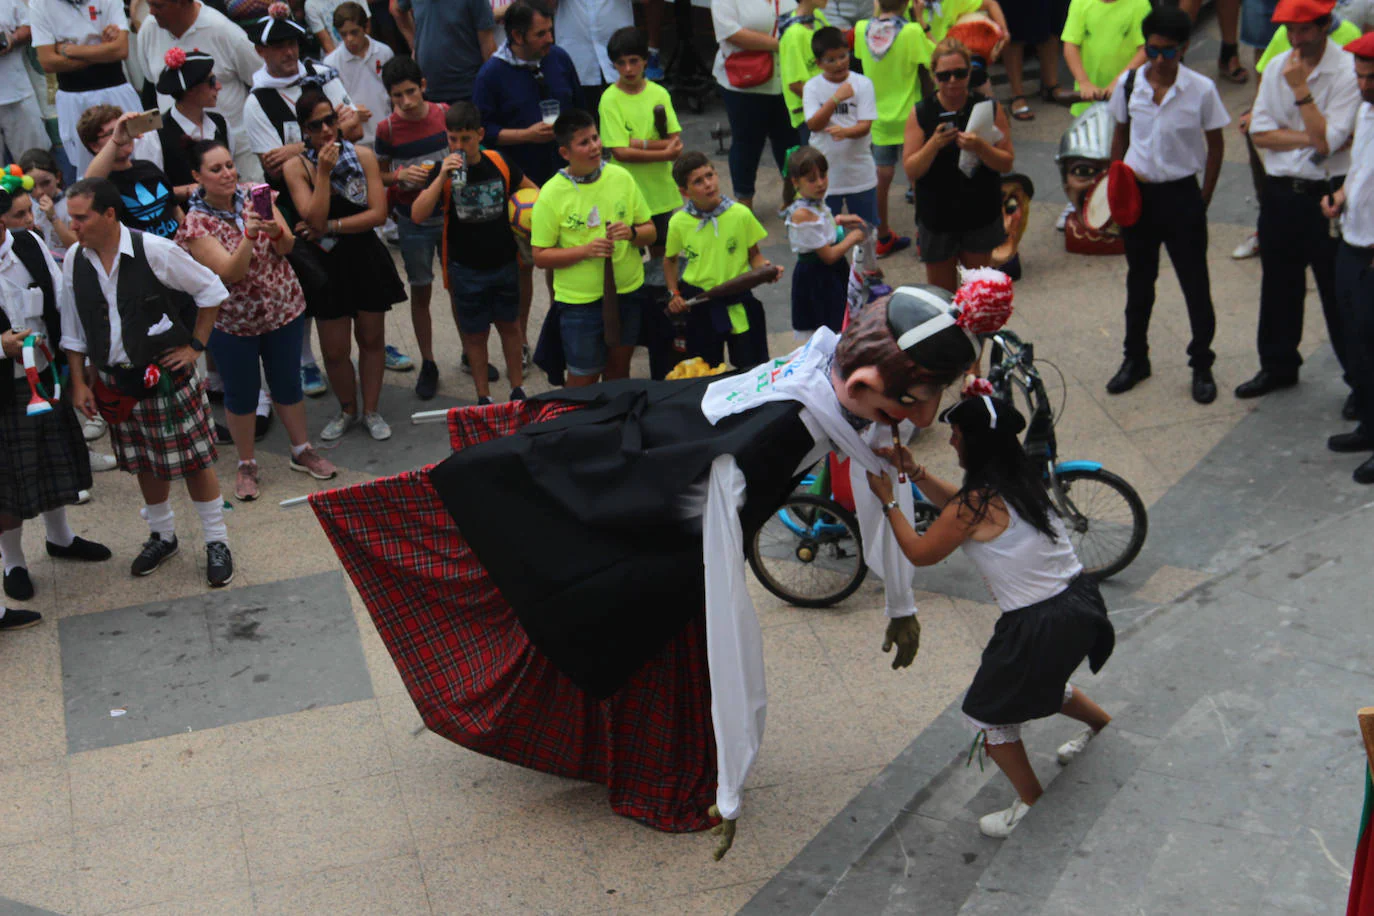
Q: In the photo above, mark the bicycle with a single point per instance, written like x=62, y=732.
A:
x=810, y=552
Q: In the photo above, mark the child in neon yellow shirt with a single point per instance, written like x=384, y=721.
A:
x=1102, y=40
x=796, y=63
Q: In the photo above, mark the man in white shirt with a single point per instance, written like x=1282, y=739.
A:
x=191, y=25
x=21, y=120
x=1168, y=129
x=1301, y=122
x=1354, y=204
x=583, y=27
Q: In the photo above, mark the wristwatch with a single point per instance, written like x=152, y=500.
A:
x=197, y=345
x=888, y=507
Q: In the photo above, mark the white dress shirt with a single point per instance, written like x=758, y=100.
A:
x=24, y=306
x=1168, y=140
x=362, y=77
x=14, y=77
x=1357, y=222
x=583, y=27
x=170, y=263
x=57, y=20
x=728, y=17
x=263, y=137
x=1337, y=97
x=205, y=130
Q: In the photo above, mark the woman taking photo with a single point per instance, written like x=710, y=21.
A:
x=958, y=216
x=264, y=317
x=337, y=189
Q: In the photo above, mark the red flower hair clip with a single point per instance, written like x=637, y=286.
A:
x=976, y=388
x=174, y=58
x=278, y=10
x=984, y=300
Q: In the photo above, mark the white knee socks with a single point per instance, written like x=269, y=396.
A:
x=160, y=519
x=59, y=532
x=307, y=354
x=12, y=549
x=212, y=520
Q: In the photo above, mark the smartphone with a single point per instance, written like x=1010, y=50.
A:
x=261, y=198
x=144, y=123
x=949, y=117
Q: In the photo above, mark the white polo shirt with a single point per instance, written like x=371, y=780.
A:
x=14, y=77
x=1357, y=222
x=362, y=77
x=56, y=20
x=1337, y=97
x=583, y=27
x=1168, y=140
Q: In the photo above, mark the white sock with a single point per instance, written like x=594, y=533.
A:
x=252, y=461
x=12, y=549
x=296, y=450
x=264, y=403
x=59, y=532
x=212, y=520
x=213, y=381
x=160, y=519
x=307, y=354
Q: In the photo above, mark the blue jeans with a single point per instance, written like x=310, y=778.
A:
x=861, y=203
x=755, y=120
x=583, y=330
x=237, y=358
x=418, y=242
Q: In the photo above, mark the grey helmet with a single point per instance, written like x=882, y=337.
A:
x=1089, y=137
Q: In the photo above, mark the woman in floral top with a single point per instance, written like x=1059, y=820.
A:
x=262, y=321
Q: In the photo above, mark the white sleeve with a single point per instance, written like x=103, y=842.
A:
x=734, y=642
x=804, y=237
x=262, y=136
x=1214, y=114
x=149, y=147
x=1342, y=109
x=314, y=17
x=113, y=14
x=178, y=270
x=73, y=335
x=243, y=61
x=41, y=33
x=1270, y=100
x=882, y=553
x=866, y=98
x=725, y=18
x=1119, y=105
x=813, y=96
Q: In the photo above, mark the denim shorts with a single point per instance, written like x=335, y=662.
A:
x=584, y=340
x=889, y=154
x=481, y=297
x=1257, y=27
x=418, y=243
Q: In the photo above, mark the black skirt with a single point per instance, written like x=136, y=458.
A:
x=43, y=459
x=1034, y=651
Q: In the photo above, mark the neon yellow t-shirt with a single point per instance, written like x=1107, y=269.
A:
x=895, y=78
x=950, y=11
x=625, y=117
x=714, y=258
x=563, y=218
x=796, y=63
x=1343, y=34
x=1108, y=36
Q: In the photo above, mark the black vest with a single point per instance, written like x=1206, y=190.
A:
x=29, y=251
x=142, y=301
x=176, y=146
x=618, y=573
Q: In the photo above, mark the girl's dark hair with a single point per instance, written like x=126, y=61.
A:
x=310, y=100
x=804, y=161
x=996, y=465
x=627, y=42
x=38, y=158
x=201, y=147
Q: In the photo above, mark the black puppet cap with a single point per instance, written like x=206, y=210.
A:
x=183, y=71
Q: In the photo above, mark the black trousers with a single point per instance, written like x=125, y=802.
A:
x=1355, y=293
x=1294, y=235
x=1171, y=214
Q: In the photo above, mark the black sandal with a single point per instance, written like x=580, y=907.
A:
x=1020, y=112
x=1237, y=74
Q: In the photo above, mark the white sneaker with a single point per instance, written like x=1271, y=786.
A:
x=1248, y=248
x=93, y=428
x=336, y=427
x=1070, y=749
x=101, y=462
x=83, y=497
x=1000, y=824
x=377, y=428
x=1063, y=218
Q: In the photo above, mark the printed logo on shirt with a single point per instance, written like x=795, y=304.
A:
x=842, y=108
x=147, y=207
x=481, y=202
x=574, y=221
x=731, y=245
x=689, y=253
x=92, y=11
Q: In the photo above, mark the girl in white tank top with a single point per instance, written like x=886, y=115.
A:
x=1052, y=615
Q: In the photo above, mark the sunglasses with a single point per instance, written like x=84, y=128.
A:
x=945, y=76
x=329, y=120
x=1167, y=53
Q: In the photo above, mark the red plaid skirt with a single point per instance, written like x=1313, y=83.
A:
x=168, y=435
x=476, y=678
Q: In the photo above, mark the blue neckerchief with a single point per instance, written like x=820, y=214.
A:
x=233, y=215
x=582, y=179
x=347, y=179
x=787, y=20
x=708, y=216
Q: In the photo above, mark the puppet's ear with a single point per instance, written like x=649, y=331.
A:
x=861, y=378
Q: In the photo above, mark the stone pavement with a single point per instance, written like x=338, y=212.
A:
x=266, y=758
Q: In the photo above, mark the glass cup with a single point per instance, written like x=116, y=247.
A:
x=549, y=110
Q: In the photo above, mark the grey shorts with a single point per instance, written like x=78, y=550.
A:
x=890, y=155
x=939, y=246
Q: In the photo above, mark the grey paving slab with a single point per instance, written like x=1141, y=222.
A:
x=230, y=656
x=15, y=908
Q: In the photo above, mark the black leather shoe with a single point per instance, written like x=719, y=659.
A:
x=18, y=585
x=1265, y=382
x=80, y=549
x=1131, y=373
x=1358, y=441
x=1363, y=474
x=1204, y=386
x=1348, y=408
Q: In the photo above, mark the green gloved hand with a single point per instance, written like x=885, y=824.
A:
x=905, y=633
x=725, y=830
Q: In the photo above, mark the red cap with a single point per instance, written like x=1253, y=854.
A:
x=1123, y=194
x=1301, y=11
x=1362, y=46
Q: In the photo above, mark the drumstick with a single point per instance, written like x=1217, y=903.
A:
x=661, y=121
x=737, y=286
x=897, y=453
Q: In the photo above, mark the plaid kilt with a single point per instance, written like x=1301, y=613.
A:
x=143, y=442
x=474, y=675
x=44, y=461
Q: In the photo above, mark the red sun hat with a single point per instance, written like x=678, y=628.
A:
x=1362, y=46
x=1123, y=194
x=1296, y=11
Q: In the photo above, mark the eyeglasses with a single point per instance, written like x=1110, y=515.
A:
x=329, y=120
x=945, y=76
x=1167, y=53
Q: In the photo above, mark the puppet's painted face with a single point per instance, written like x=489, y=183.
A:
x=1016, y=197
x=862, y=394
x=1085, y=152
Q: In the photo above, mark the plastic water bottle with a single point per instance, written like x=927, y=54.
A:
x=458, y=178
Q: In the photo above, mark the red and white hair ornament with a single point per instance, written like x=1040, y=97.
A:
x=174, y=58
x=983, y=299
x=278, y=10
x=977, y=388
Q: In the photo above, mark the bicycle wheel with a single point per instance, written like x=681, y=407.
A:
x=1106, y=519
x=809, y=553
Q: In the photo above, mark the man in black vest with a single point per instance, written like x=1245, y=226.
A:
x=142, y=308
x=44, y=462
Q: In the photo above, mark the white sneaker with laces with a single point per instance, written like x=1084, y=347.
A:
x=336, y=427
x=1247, y=248
x=101, y=462
x=1000, y=824
x=1074, y=746
x=1063, y=217
x=93, y=428
x=377, y=428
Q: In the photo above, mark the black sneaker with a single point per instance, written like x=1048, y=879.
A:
x=492, y=374
x=18, y=585
x=427, y=385
x=154, y=551
x=18, y=620
x=219, y=564
x=484, y=400
x=80, y=549
x=517, y=393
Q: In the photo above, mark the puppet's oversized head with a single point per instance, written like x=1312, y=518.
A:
x=1017, y=191
x=1085, y=152
x=895, y=360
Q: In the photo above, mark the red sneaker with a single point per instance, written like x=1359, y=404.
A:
x=891, y=245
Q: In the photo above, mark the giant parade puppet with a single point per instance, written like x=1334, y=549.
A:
x=567, y=590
